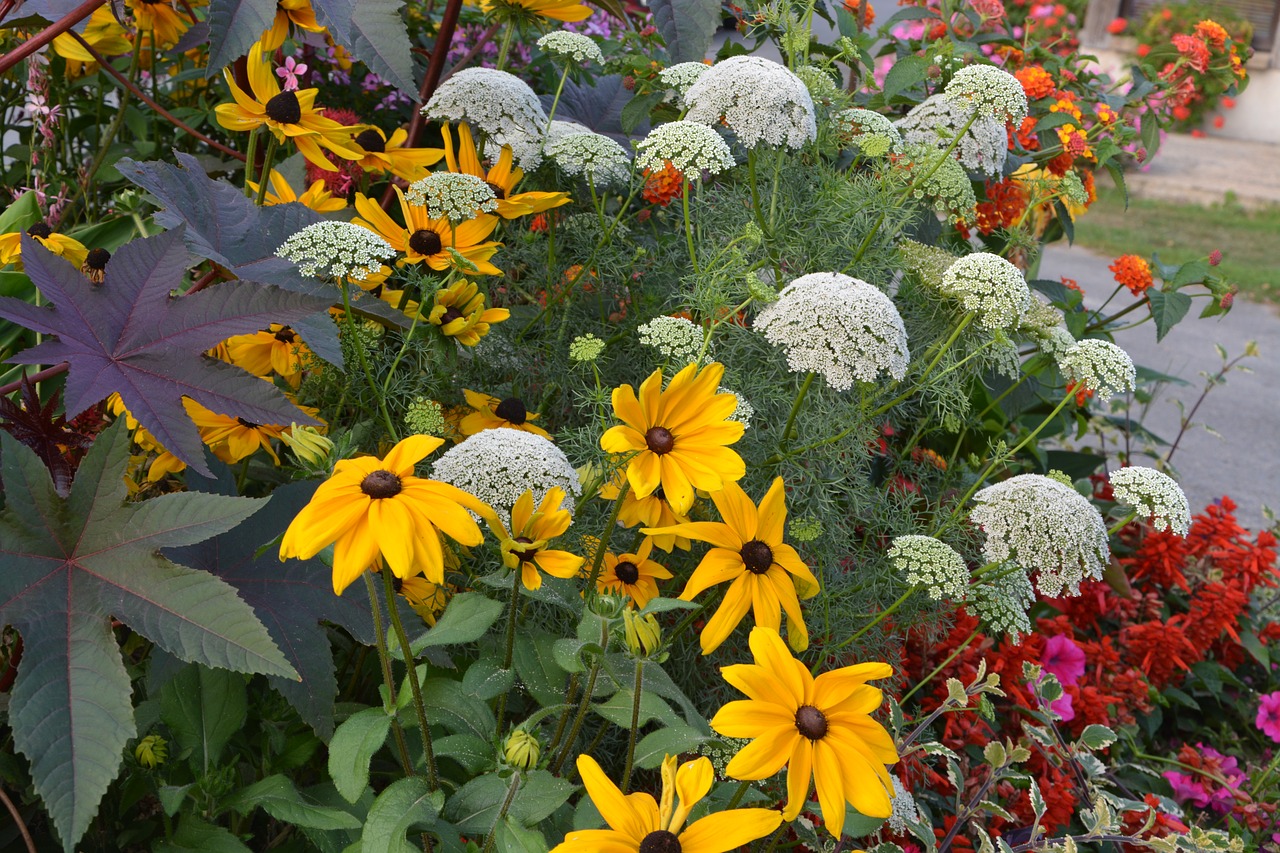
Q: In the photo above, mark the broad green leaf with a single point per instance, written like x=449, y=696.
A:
x=351, y=749
x=539, y=672
x=1191, y=272
x=636, y=112
x=662, y=605
x=203, y=708
x=514, y=838
x=471, y=752
x=686, y=26
x=904, y=74
x=856, y=824
x=1095, y=736
x=672, y=740
x=466, y=619
x=485, y=680
x=195, y=836
x=234, y=25
x=617, y=709
x=21, y=214
x=450, y=705
x=1167, y=309
x=404, y=804
x=66, y=568
x=277, y=796
x=474, y=807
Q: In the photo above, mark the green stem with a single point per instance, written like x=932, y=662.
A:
x=967, y=319
x=551, y=114
x=880, y=617
x=1093, y=327
x=104, y=144
x=364, y=363
x=380, y=640
x=419, y=706
x=264, y=177
x=755, y=193
x=635, y=725
x=605, y=536
x=508, y=31
x=250, y=156
x=688, y=226
x=502, y=812
x=584, y=703
x=513, y=613
x=1120, y=525
x=738, y=794
x=795, y=409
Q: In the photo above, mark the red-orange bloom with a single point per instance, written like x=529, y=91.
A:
x=1212, y=32
x=1133, y=272
x=1037, y=82
x=1194, y=49
x=661, y=187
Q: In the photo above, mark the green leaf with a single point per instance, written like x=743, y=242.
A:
x=404, y=804
x=636, y=111
x=662, y=605
x=474, y=807
x=466, y=619
x=195, y=836
x=451, y=706
x=485, y=680
x=277, y=796
x=539, y=672
x=1096, y=736
x=1168, y=307
x=234, y=25
x=617, y=709
x=686, y=26
x=473, y=753
x=353, y=745
x=375, y=33
x=904, y=74
x=513, y=838
x=66, y=568
x=672, y=740
x=1191, y=272
x=21, y=214
x=203, y=708
x=1250, y=641
x=171, y=797
x=856, y=824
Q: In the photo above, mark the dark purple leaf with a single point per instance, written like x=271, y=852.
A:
x=40, y=427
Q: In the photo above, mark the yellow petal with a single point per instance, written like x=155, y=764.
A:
x=829, y=780
x=620, y=814
x=765, y=755
x=734, y=606
x=799, y=770
x=746, y=718
x=729, y=830
x=409, y=452
x=737, y=510
x=773, y=513
x=718, y=566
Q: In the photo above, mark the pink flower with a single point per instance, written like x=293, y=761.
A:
x=1064, y=659
x=1268, y=720
x=290, y=72
x=1187, y=789
x=1063, y=708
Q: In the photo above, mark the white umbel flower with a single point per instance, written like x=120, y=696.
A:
x=500, y=465
x=991, y=287
x=871, y=132
x=936, y=122
x=933, y=564
x=573, y=46
x=499, y=104
x=760, y=100
x=838, y=326
x=1002, y=601
x=744, y=412
x=681, y=76
x=679, y=340
x=1154, y=495
x=944, y=185
x=457, y=197
x=989, y=90
x=1100, y=367
x=336, y=250
x=1045, y=527
x=592, y=156
x=690, y=147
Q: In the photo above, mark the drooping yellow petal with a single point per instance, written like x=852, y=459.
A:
x=620, y=814
x=723, y=831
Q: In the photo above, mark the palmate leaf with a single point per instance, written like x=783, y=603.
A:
x=39, y=426
x=67, y=567
x=687, y=26
x=128, y=335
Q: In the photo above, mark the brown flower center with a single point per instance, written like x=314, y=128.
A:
x=660, y=841
x=97, y=259
x=811, y=722
x=450, y=314
x=371, y=140
x=286, y=335
x=425, y=242
x=380, y=484
x=498, y=191
x=757, y=556
x=660, y=440
x=284, y=108
x=527, y=554
x=627, y=572
x=247, y=424
x=397, y=583
x=41, y=230
x=512, y=411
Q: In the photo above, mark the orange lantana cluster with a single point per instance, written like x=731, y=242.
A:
x=1133, y=272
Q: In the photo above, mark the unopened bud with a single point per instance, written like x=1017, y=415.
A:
x=933, y=72
x=307, y=444
x=521, y=750
x=643, y=634
x=1215, y=257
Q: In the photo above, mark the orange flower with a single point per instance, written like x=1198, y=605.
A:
x=854, y=7
x=1133, y=272
x=1037, y=82
x=661, y=187
x=1194, y=49
x=1212, y=32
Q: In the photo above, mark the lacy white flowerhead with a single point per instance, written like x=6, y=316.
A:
x=744, y=412
x=1002, y=600
x=499, y=465
x=337, y=250
x=679, y=340
x=1046, y=325
x=947, y=187
x=933, y=564
x=1044, y=526
x=871, y=132
x=991, y=91
x=991, y=287
x=1098, y=366
x=936, y=122
x=838, y=326
x=691, y=148
x=585, y=348
x=573, y=46
x=458, y=197
x=592, y=156
x=499, y=104
x=1155, y=496
x=681, y=76
x=760, y=100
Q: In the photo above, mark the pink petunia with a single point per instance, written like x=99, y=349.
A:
x=1064, y=659
x=1268, y=720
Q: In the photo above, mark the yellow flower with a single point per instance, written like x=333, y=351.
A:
x=374, y=506
x=296, y=12
x=425, y=239
x=288, y=115
x=103, y=33
x=650, y=511
x=460, y=313
x=233, y=439
x=633, y=575
x=678, y=437
x=559, y=10
x=390, y=155
x=525, y=545
x=502, y=178
x=492, y=413
x=277, y=349
x=638, y=822
x=161, y=19
x=165, y=462
x=307, y=444
x=316, y=196
x=427, y=599
x=60, y=244
x=819, y=727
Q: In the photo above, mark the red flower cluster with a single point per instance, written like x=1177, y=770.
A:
x=1133, y=272
x=1006, y=203
x=661, y=187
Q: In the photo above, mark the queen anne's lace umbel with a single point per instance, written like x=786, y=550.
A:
x=932, y=563
x=497, y=103
x=989, y=90
x=1002, y=601
x=593, y=156
x=1045, y=527
x=690, y=148
x=499, y=465
x=1155, y=496
x=573, y=46
x=838, y=326
x=458, y=197
x=336, y=250
x=1099, y=366
x=760, y=100
x=936, y=122
x=681, y=76
x=871, y=132
x=678, y=339
x=991, y=287
x=947, y=187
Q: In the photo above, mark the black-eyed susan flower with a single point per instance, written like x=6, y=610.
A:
x=317, y=196
x=103, y=33
x=163, y=21
x=764, y=572
x=383, y=155
x=502, y=177
x=557, y=10
x=287, y=115
x=422, y=238
x=525, y=545
x=649, y=511
x=460, y=313
x=296, y=12
x=234, y=439
x=637, y=822
x=374, y=506
x=60, y=244
x=278, y=349
x=678, y=438
x=632, y=575
x=818, y=727
x=494, y=413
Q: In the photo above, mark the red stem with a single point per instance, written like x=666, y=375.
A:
x=47, y=373
x=205, y=280
x=48, y=34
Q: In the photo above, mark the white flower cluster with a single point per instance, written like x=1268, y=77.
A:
x=690, y=147
x=457, y=197
x=936, y=122
x=585, y=348
x=1154, y=495
x=573, y=46
x=947, y=186
x=559, y=129
x=679, y=340
x=592, y=156
x=744, y=412
x=760, y=100
x=872, y=132
x=1046, y=326
x=681, y=76
x=1043, y=526
x=1003, y=600
x=1099, y=366
x=838, y=326
x=337, y=250
x=991, y=91
x=931, y=563
x=904, y=807
x=991, y=287
x=499, y=104
x=500, y=465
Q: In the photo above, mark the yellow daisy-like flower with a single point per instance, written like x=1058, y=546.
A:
x=766, y=573
x=103, y=33
x=492, y=413
x=316, y=196
x=425, y=239
x=165, y=463
x=288, y=115
x=819, y=727
x=390, y=155
x=162, y=19
x=296, y=12
x=558, y=10
x=278, y=350
x=502, y=177
x=460, y=313
x=650, y=511
x=677, y=438
x=638, y=822
x=427, y=599
x=60, y=244
x=632, y=575
x=524, y=546
x=233, y=439
x=374, y=506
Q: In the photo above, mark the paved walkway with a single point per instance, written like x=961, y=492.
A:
x=1203, y=170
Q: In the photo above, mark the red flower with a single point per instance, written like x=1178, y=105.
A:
x=662, y=186
x=1194, y=49
x=1133, y=272
x=1037, y=82
x=1117, y=26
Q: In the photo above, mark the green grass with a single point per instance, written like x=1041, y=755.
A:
x=1249, y=240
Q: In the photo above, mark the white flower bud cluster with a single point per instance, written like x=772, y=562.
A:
x=872, y=132
x=336, y=250
x=500, y=465
x=1099, y=366
x=1003, y=600
x=760, y=100
x=679, y=340
x=744, y=412
x=559, y=129
x=1047, y=327
x=500, y=105
x=936, y=122
x=585, y=348
x=904, y=807
x=933, y=564
x=592, y=156
x=690, y=147
x=681, y=76
x=991, y=91
x=947, y=187
x=991, y=287
x=457, y=197
x=838, y=326
x=1045, y=527
x=573, y=46
x=1154, y=495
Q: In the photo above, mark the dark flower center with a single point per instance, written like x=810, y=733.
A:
x=512, y=411
x=450, y=314
x=627, y=572
x=284, y=108
x=811, y=722
x=660, y=440
x=97, y=259
x=660, y=841
x=425, y=242
x=371, y=140
x=247, y=424
x=286, y=335
x=40, y=230
x=397, y=583
x=529, y=553
x=380, y=484
x=757, y=556
x=498, y=191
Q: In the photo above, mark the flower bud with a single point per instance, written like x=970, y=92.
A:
x=521, y=750
x=151, y=751
x=643, y=634
x=307, y=444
